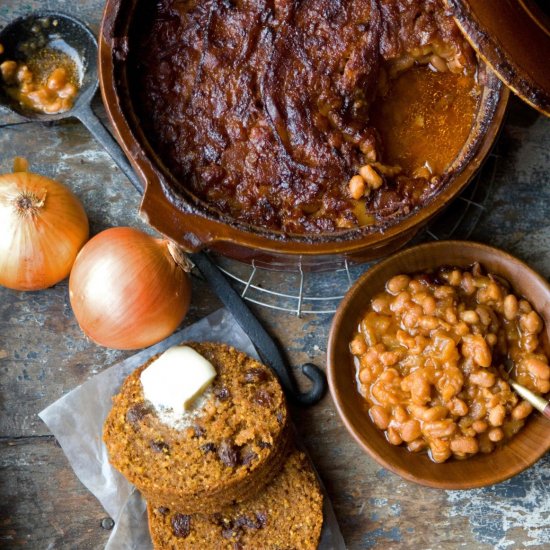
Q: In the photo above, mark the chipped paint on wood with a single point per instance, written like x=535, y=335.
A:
x=494, y=514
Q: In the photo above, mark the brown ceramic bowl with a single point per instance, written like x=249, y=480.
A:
x=522, y=451
x=180, y=215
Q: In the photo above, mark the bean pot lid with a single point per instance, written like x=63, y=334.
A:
x=513, y=37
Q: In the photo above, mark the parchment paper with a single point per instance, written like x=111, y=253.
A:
x=76, y=420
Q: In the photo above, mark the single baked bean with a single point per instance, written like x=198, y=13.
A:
x=491, y=339
x=420, y=391
x=371, y=176
x=438, y=64
x=401, y=302
x=468, y=284
x=428, y=322
x=503, y=386
x=484, y=315
x=415, y=286
x=496, y=415
x=450, y=383
x=385, y=394
x=455, y=277
x=537, y=367
x=400, y=414
x=429, y=305
x=67, y=94
x=524, y=306
x=398, y=283
x=405, y=339
x=543, y=386
x=485, y=444
x=439, y=428
x=410, y=430
x=381, y=304
x=358, y=345
x=530, y=323
x=380, y=416
x=492, y=400
x=480, y=426
x=470, y=317
x=510, y=307
x=389, y=375
x=444, y=291
x=8, y=70
x=365, y=375
x=496, y=434
x=521, y=411
x=476, y=347
x=440, y=450
x=478, y=410
x=483, y=378
x=393, y=436
x=417, y=445
x=464, y=445
x=24, y=75
x=529, y=343
x=382, y=323
x=356, y=187
x=438, y=412
x=420, y=344
x=411, y=317
x=458, y=407
x=450, y=316
x=389, y=358
x=57, y=80
x=369, y=334
x=461, y=329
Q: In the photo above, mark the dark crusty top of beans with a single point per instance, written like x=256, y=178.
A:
x=262, y=108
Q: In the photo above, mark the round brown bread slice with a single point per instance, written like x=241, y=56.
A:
x=288, y=514
x=231, y=449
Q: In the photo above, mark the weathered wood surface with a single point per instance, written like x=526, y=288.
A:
x=43, y=355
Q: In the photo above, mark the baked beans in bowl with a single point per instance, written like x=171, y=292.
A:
x=415, y=359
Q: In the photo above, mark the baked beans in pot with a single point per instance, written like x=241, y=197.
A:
x=429, y=352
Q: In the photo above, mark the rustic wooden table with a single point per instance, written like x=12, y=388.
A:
x=43, y=355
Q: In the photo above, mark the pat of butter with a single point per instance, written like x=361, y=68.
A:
x=176, y=379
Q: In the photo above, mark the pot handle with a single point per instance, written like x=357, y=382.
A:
x=104, y=137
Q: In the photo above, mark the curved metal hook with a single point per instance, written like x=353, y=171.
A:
x=318, y=388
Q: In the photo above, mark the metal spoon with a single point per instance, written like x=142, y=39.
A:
x=61, y=31
x=45, y=27
x=537, y=401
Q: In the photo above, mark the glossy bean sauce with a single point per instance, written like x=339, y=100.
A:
x=429, y=355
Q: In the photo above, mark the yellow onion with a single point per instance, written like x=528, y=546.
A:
x=42, y=227
x=129, y=290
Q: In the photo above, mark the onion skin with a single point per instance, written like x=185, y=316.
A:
x=126, y=289
x=39, y=241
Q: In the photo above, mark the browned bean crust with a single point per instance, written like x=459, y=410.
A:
x=261, y=108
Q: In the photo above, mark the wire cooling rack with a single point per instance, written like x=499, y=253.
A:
x=302, y=292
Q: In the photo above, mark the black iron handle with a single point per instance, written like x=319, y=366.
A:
x=104, y=137
x=264, y=344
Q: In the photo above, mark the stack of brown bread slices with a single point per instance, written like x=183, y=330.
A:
x=224, y=475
